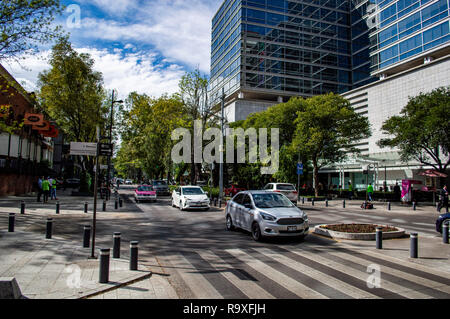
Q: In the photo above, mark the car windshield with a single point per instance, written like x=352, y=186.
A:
x=285, y=187
x=271, y=201
x=145, y=188
x=159, y=183
x=192, y=191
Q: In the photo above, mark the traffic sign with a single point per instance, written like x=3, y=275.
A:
x=83, y=149
x=299, y=169
x=106, y=149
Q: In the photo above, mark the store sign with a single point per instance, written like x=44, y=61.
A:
x=45, y=126
x=52, y=132
x=34, y=119
x=83, y=149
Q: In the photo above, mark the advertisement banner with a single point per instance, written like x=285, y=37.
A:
x=33, y=119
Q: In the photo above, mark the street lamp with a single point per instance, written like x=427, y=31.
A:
x=108, y=176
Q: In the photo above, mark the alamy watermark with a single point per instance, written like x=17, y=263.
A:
x=74, y=19
x=374, y=280
x=258, y=148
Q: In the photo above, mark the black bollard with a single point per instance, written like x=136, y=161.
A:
x=86, y=207
x=303, y=200
x=215, y=202
x=87, y=237
x=120, y=202
x=22, y=207
x=414, y=206
x=389, y=206
x=326, y=202
x=414, y=245
x=116, y=249
x=49, y=231
x=57, y=208
x=220, y=203
x=104, y=266
x=343, y=204
x=312, y=202
x=134, y=255
x=104, y=206
x=445, y=233
x=116, y=204
x=379, y=237
x=12, y=221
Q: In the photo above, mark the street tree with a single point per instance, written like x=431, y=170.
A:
x=421, y=131
x=327, y=128
x=25, y=24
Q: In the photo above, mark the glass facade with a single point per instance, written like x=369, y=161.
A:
x=313, y=47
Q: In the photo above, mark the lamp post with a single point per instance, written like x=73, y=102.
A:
x=221, y=146
x=108, y=176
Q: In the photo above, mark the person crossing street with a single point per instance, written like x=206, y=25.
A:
x=370, y=192
x=53, y=189
x=46, y=189
x=443, y=200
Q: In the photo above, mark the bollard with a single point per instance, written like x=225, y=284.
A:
x=312, y=202
x=48, y=234
x=326, y=203
x=303, y=200
x=220, y=203
x=87, y=236
x=379, y=237
x=12, y=220
x=104, y=206
x=120, y=202
x=104, y=266
x=116, y=204
x=343, y=204
x=215, y=202
x=57, y=208
x=134, y=255
x=414, y=206
x=22, y=207
x=389, y=206
x=86, y=207
x=116, y=249
x=445, y=233
x=414, y=245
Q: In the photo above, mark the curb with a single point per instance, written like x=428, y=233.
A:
x=357, y=236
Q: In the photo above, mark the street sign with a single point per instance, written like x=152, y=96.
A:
x=83, y=149
x=106, y=149
x=299, y=169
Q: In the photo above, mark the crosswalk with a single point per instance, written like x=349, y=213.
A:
x=307, y=272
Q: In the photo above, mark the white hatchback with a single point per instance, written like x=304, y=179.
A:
x=190, y=197
x=288, y=190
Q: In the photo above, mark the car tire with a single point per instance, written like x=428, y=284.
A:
x=256, y=232
x=229, y=223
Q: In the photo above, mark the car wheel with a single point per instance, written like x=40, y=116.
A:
x=229, y=223
x=256, y=232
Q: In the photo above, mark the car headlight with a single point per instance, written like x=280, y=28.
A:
x=268, y=217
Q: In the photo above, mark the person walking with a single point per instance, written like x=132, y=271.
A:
x=350, y=190
x=46, y=189
x=443, y=200
x=370, y=192
x=397, y=192
x=39, y=188
x=53, y=189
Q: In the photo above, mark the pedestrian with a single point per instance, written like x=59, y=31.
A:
x=53, y=189
x=397, y=192
x=46, y=189
x=370, y=191
x=443, y=200
x=39, y=188
x=350, y=190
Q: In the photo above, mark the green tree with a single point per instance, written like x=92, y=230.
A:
x=327, y=128
x=421, y=131
x=26, y=23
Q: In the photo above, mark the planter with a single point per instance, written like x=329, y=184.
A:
x=321, y=230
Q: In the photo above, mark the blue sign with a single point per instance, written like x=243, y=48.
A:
x=299, y=169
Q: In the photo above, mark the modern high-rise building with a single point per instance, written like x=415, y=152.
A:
x=376, y=53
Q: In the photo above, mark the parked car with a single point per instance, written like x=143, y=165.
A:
x=72, y=183
x=288, y=190
x=190, y=197
x=232, y=190
x=266, y=214
x=441, y=220
x=128, y=182
x=161, y=187
x=145, y=193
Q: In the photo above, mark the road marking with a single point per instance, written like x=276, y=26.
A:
x=294, y=286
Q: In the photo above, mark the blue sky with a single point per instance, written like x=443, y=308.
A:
x=138, y=45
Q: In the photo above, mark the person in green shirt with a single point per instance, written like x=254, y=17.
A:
x=370, y=191
x=46, y=189
x=350, y=190
x=53, y=190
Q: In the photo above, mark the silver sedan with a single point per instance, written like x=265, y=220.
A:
x=266, y=214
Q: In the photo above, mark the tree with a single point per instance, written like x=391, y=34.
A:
x=26, y=23
x=326, y=130
x=421, y=131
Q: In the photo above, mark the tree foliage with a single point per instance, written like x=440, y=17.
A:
x=421, y=131
x=24, y=24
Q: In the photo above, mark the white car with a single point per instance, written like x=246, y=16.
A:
x=287, y=190
x=190, y=197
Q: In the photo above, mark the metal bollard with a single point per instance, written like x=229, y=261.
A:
x=57, y=208
x=343, y=204
x=116, y=204
x=104, y=266
x=379, y=237
x=49, y=231
x=389, y=206
x=134, y=255
x=303, y=200
x=215, y=202
x=87, y=237
x=104, y=206
x=116, y=249
x=414, y=245
x=86, y=207
x=326, y=203
x=220, y=203
x=312, y=202
x=120, y=202
x=22, y=207
x=445, y=233
x=414, y=206
x=12, y=221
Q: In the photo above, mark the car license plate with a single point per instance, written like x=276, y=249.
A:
x=292, y=228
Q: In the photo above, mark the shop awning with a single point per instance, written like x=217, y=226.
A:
x=433, y=173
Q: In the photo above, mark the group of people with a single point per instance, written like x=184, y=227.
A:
x=46, y=188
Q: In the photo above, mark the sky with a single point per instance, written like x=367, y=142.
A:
x=138, y=45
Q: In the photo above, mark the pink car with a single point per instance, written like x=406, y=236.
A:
x=145, y=193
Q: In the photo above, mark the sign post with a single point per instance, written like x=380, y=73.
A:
x=299, y=173
x=97, y=166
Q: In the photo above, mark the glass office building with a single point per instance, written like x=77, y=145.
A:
x=273, y=49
